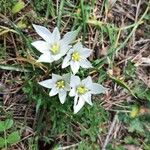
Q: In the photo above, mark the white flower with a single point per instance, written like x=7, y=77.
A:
x=58, y=85
x=76, y=57
x=82, y=91
x=53, y=48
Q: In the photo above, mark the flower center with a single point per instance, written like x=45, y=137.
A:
x=54, y=48
x=75, y=56
x=81, y=89
x=60, y=84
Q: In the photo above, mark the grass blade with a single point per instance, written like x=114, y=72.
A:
x=61, y=7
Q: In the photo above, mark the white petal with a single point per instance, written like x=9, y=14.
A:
x=47, y=83
x=41, y=46
x=70, y=37
x=57, y=57
x=84, y=63
x=76, y=100
x=72, y=92
x=74, y=81
x=67, y=77
x=56, y=34
x=70, y=52
x=53, y=92
x=87, y=98
x=74, y=66
x=97, y=88
x=64, y=48
x=85, y=52
x=66, y=62
x=67, y=87
x=87, y=81
x=79, y=105
x=77, y=47
x=56, y=77
x=45, y=58
x=62, y=96
x=43, y=32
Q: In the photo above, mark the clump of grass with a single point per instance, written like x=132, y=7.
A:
x=6, y=6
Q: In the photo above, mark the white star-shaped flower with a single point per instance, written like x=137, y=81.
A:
x=53, y=48
x=82, y=91
x=76, y=57
x=58, y=85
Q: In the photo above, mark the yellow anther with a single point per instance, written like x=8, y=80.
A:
x=75, y=56
x=60, y=84
x=81, y=89
x=54, y=48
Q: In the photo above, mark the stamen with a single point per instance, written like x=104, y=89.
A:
x=60, y=84
x=54, y=48
x=81, y=89
x=75, y=56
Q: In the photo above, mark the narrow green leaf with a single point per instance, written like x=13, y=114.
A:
x=123, y=84
x=18, y=7
x=61, y=8
x=14, y=68
x=14, y=137
x=39, y=102
x=84, y=18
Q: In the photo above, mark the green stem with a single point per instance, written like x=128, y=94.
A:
x=5, y=139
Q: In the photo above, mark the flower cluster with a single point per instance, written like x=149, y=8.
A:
x=53, y=48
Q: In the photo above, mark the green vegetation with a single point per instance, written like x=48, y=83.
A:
x=118, y=32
